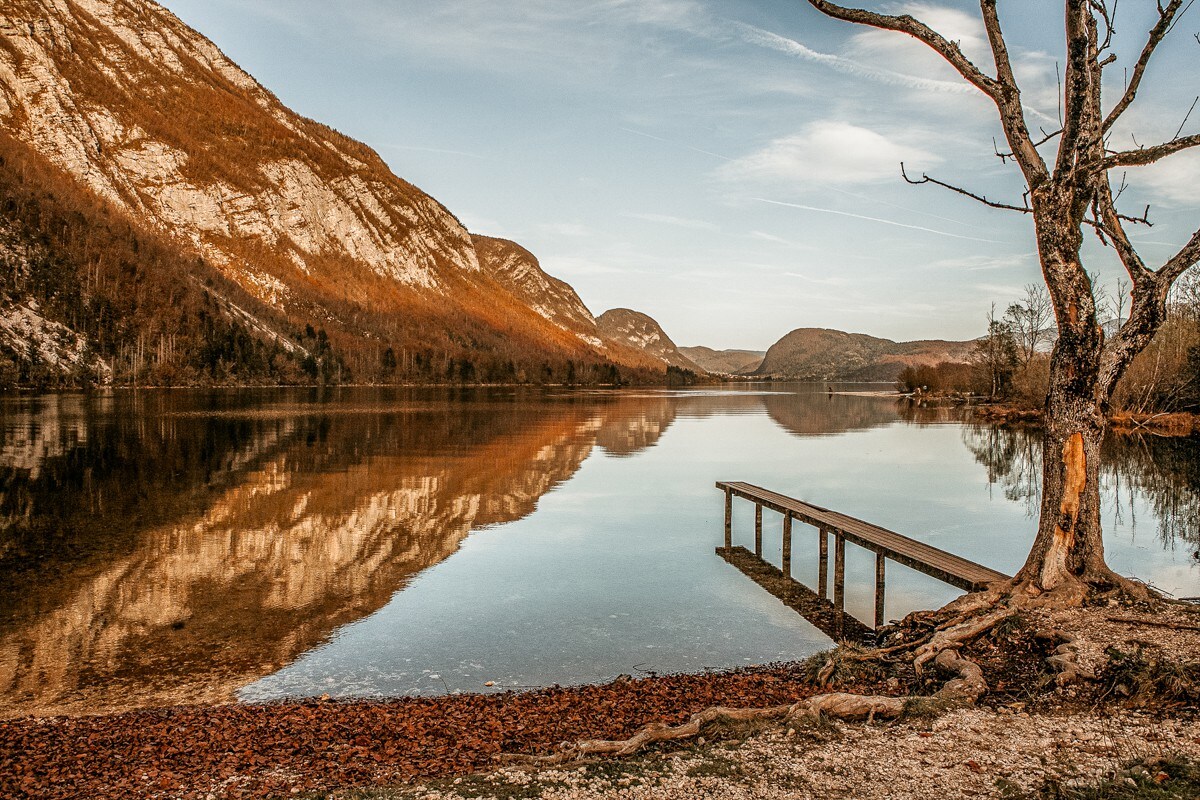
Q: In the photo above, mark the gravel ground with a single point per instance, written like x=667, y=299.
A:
x=968, y=753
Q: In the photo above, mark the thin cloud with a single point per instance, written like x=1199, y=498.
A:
x=773, y=41
x=762, y=236
x=817, y=281
x=678, y=222
x=874, y=219
x=984, y=263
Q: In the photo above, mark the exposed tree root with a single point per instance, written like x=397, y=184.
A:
x=1065, y=659
x=1179, y=626
x=954, y=626
x=957, y=634
x=966, y=687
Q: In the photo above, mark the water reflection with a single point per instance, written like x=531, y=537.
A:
x=1137, y=470
x=201, y=546
x=159, y=555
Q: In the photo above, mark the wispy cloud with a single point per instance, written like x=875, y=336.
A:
x=832, y=281
x=828, y=152
x=1176, y=179
x=874, y=219
x=573, y=230
x=678, y=222
x=762, y=236
x=985, y=263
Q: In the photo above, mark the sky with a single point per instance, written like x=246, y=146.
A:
x=730, y=168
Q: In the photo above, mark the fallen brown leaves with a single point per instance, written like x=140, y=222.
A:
x=264, y=750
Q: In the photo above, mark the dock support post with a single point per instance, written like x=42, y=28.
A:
x=880, y=560
x=823, y=564
x=787, y=545
x=728, y=519
x=839, y=572
x=758, y=529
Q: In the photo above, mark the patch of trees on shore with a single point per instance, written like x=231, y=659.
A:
x=1011, y=362
x=158, y=314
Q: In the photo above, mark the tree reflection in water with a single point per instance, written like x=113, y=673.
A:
x=1162, y=472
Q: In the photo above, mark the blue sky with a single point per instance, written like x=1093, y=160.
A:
x=730, y=168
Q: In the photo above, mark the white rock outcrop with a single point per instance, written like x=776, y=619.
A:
x=321, y=201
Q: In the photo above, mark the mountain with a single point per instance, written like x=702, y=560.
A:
x=199, y=229
x=637, y=330
x=518, y=271
x=727, y=362
x=822, y=354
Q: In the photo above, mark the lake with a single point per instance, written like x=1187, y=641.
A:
x=212, y=546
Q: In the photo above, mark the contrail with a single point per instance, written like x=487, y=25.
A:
x=774, y=41
x=874, y=219
x=676, y=144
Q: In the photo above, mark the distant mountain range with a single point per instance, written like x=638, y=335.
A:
x=822, y=354
x=725, y=362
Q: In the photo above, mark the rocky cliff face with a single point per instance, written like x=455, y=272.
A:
x=152, y=117
x=822, y=354
x=518, y=270
x=639, y=331
x=154, y=121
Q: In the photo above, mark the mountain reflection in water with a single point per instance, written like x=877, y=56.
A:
x=169, y=547
x=165, y=556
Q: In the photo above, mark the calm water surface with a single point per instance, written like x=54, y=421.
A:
x=158, y=548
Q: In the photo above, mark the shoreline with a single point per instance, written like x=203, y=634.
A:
x=447, y=747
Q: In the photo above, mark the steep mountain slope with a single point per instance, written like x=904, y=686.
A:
x=518, y=271
x=822, y=354
x=156, y=125
x=728, y=362
x=642, y=332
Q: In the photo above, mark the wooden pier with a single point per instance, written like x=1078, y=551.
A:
x=946, y=567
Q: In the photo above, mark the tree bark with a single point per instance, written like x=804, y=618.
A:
x=1067, y=557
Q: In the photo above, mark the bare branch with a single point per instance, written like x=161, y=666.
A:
x=1148, y=155
x=1166, y=18
x=1012, y=113
x=1182, y=261
x=1186, y=117
x=1102, y=10
x=918, y=30
x=1110, y=221
x=979, y=198
x=1003, y=91
x=1046, y=137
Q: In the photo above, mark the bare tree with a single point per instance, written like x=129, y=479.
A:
x=1030, y=319
x=1120, y=299
x=995, y=355
x=1067, y=195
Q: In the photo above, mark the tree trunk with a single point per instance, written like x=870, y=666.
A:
x=1068, y=553
x=1067, y=556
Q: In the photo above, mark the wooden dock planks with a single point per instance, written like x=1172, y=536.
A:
x=944, y=566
